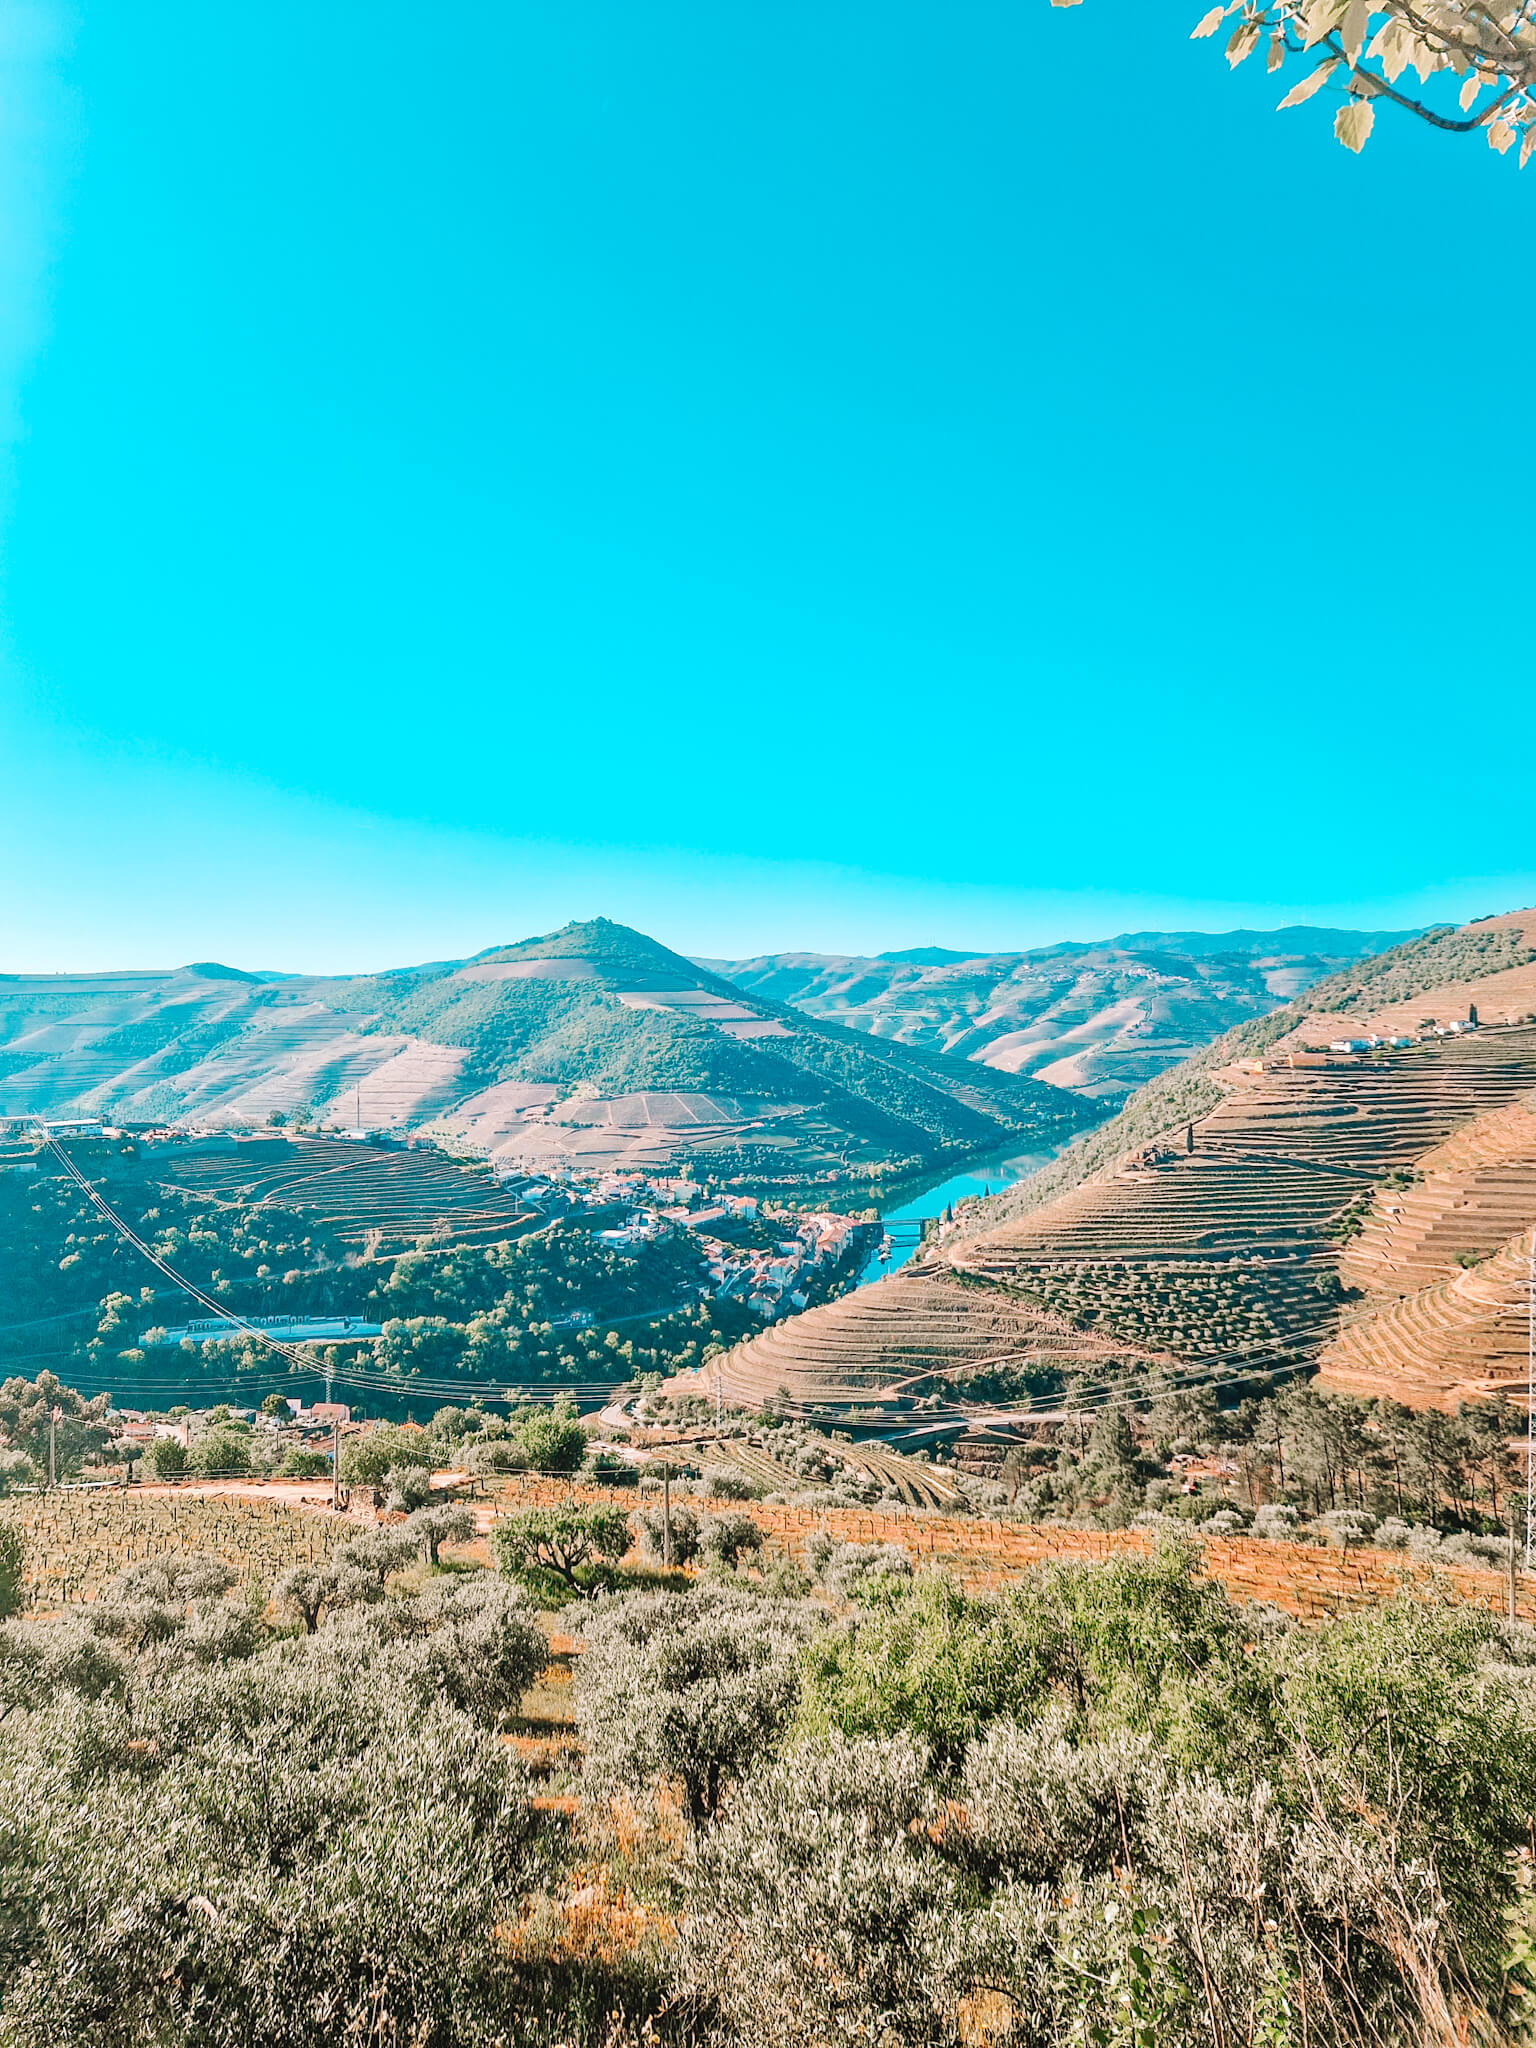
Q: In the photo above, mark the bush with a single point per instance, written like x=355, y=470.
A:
x=817, y=1910
x=851, y=1569
x=1125, y=1861
x=499, y=1454
x=1276, y=1524
x=223, y=1451
x=729, y=1482
x=304, y=1465
x=650, y=1533
x=1346, y=1526
x=727, y=1539
x=166, y=1458
x=269, y=1851
x=407, y=1487
x=16, y=1469
x=1143, y=1636
x=432, y=1527
x=693, y=1687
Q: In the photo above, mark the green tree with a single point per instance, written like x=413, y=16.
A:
x=553, y=1443
x=565, y=1543
x=80, y=1431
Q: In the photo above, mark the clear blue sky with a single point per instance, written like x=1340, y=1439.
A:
x=842, y=475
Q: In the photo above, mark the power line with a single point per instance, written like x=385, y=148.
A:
x=297, y=1356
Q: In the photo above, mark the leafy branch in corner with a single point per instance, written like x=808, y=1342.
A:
x=1364, y=49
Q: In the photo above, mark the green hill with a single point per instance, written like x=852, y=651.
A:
x=599, y=1008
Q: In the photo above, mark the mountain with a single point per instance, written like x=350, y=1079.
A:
x=1271, y=1205
x=590, y=1046
x=1097, y=1018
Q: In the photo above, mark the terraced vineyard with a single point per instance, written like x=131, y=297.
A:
x=367, y=1197
x=889, y=1345
x=911, y=1480
x=1454, y=1340
x=1217, y=1240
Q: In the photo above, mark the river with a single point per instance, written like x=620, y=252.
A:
x=980, y=1177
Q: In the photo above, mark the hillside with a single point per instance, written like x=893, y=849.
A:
x=1271, y=1204
x=591, y=1046
x=1100, y=1019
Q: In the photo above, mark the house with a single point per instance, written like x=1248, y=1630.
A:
x=1350, y=1044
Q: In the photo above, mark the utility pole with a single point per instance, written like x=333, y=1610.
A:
x=53, y=1453
x=1511, y=1560
x=666, y=1516
x=335, y=1461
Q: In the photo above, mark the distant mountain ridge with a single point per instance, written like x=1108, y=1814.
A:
x=590, y=1046
x=1099, y=1018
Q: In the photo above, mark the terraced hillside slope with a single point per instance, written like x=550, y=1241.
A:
x=1100, y=1019
x=924, y=1337
x=376, y=1201
x=591, y=1046
x=1271, y=1204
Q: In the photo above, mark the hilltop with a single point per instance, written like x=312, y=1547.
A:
x=1272, y=1204
x=592, y=1045
x=1099, y=1019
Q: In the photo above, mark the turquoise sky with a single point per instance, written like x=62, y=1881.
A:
x=837, y=475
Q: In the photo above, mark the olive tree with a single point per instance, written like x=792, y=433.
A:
x=276, y=1851
x=433, y=1527
x=693, y=1688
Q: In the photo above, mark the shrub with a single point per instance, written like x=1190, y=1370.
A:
x=1345, y=1526
x=166, y=1458
x=850, y=1569
x=1139, y=1639
x=499, y=1454
x=1275, y=1523
x=692, y=1687
x=264, y=1852
x=650, y=1533
x=817, y=1910
x=223, y=1450
x=16, y=1469
x=727, y=1539
x=407, y=1487
x=304, y=1465
x=729, y=1482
